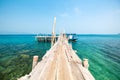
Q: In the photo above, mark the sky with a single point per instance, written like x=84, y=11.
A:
x=72, y=16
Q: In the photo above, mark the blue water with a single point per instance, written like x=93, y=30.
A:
x=103, y=52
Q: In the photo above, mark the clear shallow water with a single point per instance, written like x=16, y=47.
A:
x=103, y=52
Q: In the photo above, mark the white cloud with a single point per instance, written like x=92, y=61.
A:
x=117, y=11
x=64, y=15
x=77, y=10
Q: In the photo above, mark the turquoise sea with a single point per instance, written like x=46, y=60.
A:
x=103, y=52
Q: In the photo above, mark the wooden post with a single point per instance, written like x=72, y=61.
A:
x=53, y=40
x=85, y=63
x=35, y=61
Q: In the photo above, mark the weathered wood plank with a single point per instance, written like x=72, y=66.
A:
x=63, y=70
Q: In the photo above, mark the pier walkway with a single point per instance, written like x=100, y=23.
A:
x=59, y=63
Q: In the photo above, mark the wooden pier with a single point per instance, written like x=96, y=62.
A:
x=60, y=63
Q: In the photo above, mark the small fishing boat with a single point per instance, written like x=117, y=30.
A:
x=71, y=37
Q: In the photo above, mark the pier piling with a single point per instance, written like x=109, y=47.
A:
x=35, y=61
x=85, y=63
